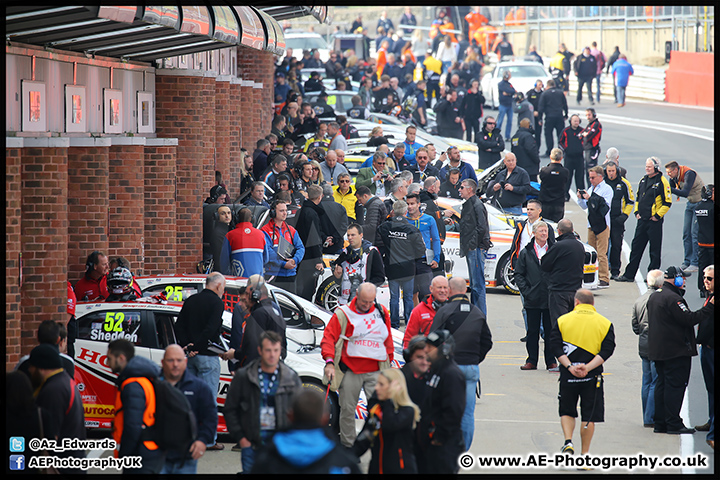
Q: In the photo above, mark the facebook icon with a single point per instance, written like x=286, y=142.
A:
x=17, y=462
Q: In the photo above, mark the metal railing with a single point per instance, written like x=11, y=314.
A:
x=647, y=83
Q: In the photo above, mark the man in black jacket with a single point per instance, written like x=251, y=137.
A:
x=621, y=207
x=530, y=280
x=706, y=339
x=533, y=97
x=510, y=186
x=404, y=245
x=705, y=213
x=428, y=197
x=553, y=187
x=671, y=345
x=450, y=122
x=422, y=169
x=359, y=262
x=472, y=110
x=259, y=399
x=474, y=241
x=312, y=228
x=490, y=143
x=585, y=70
x=441, y=434
x=563, y=264
x=374, y=213
x=200, y=322
x=553, y=105
x=468, y=326
x=525, y=149
x=450, y=188
x=572, y=146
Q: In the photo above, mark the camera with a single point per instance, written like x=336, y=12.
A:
x=502, y=184
x=384, y=176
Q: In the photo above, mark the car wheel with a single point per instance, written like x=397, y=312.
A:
x=506, y=275
x=332, y=401
x=328, y=293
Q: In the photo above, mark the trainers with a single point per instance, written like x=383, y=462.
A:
x=623, y=278
x=691, y=268
x=553, y=367
x=603, y=284
x=568, y=448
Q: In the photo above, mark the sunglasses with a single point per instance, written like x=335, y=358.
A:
x=315, y=169
x=490, y=123
x=343, y=181
x=708, y=278
x=381, y=163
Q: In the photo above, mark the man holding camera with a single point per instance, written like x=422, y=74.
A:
x=597, y=201
x=359, y=262
x=511, y=185
x=376, y=177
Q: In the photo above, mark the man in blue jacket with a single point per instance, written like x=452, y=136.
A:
x=431, y=237
x=278, y=265
x=506, y=93
x=621, y=71
x=244, y=251
x=411, y=146
x=202, y=402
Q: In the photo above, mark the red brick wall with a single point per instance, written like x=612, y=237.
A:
x=160, y=233
x=44, y=230
x=258, y=67
x=12, y=256
x=87, y=206
x=127, y=204
x=234, y=141
x=184, y=111
x=222, y=130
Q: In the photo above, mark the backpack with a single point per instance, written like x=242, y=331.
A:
x=601, y=60
x=175, y=424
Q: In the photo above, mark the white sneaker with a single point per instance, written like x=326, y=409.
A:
x=691, y=268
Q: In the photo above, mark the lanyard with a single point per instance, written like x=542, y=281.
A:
x=261, y=376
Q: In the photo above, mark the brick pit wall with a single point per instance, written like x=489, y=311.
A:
x=139, y=198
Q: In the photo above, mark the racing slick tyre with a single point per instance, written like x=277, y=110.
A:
x=328, y=293
x=332, y=400
x=506, y=276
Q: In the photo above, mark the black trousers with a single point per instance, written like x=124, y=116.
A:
x=672, y=380
x=705, y=258
x=575, y=163
x=591, y=159
x=554, y=213
x=538, y=132
x=432, y=87
x=559, y=303
x=552, y=123
x=588, y=82
x=443, y=459
x=306, y=279
x=534, y=317
x=646, y=231
x=617, y=232
x=472, y=129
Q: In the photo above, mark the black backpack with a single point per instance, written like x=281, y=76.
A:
x=175, y=424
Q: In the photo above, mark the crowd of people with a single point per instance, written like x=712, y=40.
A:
x=386, y=226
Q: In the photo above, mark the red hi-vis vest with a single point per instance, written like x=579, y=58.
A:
x=148, y=415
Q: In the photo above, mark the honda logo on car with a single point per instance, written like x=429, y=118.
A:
x=91, y=356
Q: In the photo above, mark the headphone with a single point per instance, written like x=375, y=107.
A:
x=216, y=213
x=679, y=280
x=413, y=345
x=448, y=342
x=256, y=293
x=274, y=205
x=707, y=191
x=592, y=111
x=92, y=260
x=436, y=304
x=656, y=163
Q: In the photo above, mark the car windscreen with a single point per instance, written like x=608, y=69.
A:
x=523, y=71
x=306, y=43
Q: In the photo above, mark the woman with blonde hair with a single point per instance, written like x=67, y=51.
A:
x=376, y=137
x=246, y=168
x=389, y=428
x=317, y=176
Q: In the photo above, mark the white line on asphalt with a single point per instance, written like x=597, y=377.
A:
x=513, y=421
x=660, y=126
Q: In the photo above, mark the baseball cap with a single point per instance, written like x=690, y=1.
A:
x=280, y=74
x=673, y=272
x=45, y=356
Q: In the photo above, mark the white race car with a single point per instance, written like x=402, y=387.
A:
x=524, y=74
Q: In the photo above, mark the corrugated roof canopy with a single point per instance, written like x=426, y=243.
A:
x=152, y=32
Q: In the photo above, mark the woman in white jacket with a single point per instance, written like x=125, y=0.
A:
x=446, y=53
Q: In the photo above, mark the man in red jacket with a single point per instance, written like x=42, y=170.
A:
x=93, y=286
x=357, y=344
x=422, y=316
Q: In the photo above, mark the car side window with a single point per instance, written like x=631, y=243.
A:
x=110, y=325
x=174, y=293
x=165, y=326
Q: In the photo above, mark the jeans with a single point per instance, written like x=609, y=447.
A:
x=620, y=98
x=207, y=368
x=690, y=234
x=247, y=459
x=503, y=112
x=649, y=378
x=476, y=271
x=598, y=79
x=187, y=467
x=407, y=287
x=707, y=362
x=472, y=376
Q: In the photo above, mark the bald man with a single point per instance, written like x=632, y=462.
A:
x=202, y=402
x=422, y=316
x=354, y=364
x=473, y=341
